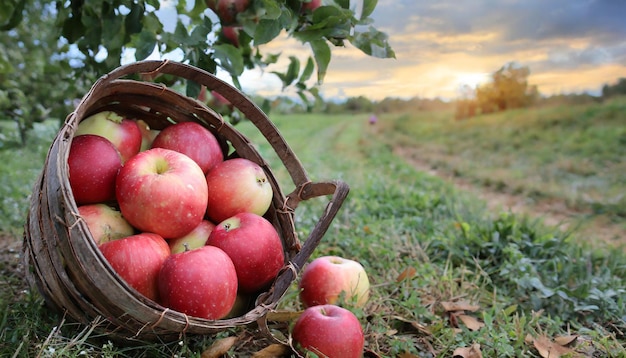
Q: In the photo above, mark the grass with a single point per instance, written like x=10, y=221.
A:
x=572, y=155
x=424, y=243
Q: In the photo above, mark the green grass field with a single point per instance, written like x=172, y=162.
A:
x=521, y=286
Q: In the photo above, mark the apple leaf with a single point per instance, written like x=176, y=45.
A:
x=133, y=21
x=373, y=43
x=321, y=52
x=144, y=44
x=266, y=30
x=229, y=58
x=368, y=8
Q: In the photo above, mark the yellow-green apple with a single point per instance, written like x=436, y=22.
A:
x=122, y=132
x=193, y=140
x=93, y=165
x=162, y=191
x=235, y=186
x=254, y=246
x=147, y=135
x=311, y=5
x=105, y=222
x=327, y=278
x=138, y=259
x=227, y=10
x=329, y=331
x=200, y=283
x=193, y=240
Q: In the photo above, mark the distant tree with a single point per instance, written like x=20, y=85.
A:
x=508, y=89
x=613, y=90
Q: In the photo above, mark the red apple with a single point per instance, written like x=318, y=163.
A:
x=162, y=191
x=227, y=10
x=231, y=33
x=329, y=331
x=193, y=140
x=105, y=223
x=93, y=165
x=147, y=135
x=327, y=278
x=201, y=283
x=138, y=259
x=311, y=5
x=254, y=246
x=193, y=240
x=122, y=132
x=235, y=186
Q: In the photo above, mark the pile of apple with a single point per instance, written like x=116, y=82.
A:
x=185, y=228
x=178, y=222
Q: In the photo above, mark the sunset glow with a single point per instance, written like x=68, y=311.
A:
x=442, y=45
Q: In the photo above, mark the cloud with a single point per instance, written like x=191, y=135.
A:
x=569, y=46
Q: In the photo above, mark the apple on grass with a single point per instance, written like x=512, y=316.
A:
x=138, y=259
x=329, y=331
x=200, y=283
x=193, y=140
x=327, y=278
x=254, y=246
x=105, y=223
x=235, y=186
x=124, y=133
x=162, y=191
x=93, y=165
x=193, y=240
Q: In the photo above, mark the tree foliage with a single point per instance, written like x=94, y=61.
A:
x=63, y=39
x=508, y=89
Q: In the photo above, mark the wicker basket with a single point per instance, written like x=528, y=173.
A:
x=64, y=262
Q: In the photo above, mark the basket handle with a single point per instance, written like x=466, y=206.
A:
x=238, y=99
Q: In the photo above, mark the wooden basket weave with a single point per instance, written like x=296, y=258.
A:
x=65, y=264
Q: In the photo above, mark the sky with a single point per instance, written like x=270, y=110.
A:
x=570, y=46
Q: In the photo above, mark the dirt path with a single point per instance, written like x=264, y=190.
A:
x=552, y=213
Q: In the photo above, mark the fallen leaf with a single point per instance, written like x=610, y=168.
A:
x=408, y=273
x=407, y=355
x=471, y=322
x=219, y=347
x=420, y=327
x=472, y=351
x=283, y=316
x=549, y=349
x=459, y=306
x=566, y=340
x=272, y=351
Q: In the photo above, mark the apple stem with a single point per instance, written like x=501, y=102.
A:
x=186, y=245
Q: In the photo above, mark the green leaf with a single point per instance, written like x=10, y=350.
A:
x=268, y=9
x=368, y=8
x=155, y=3
x=133, y=21
x=229, y=58
x=193, y=89
x=266, y=31
x=321, y=52
x=292, y=71
x=373, y=43
x=343, y=3
x=308, y=70
x=144, y=44
x=11, y=16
